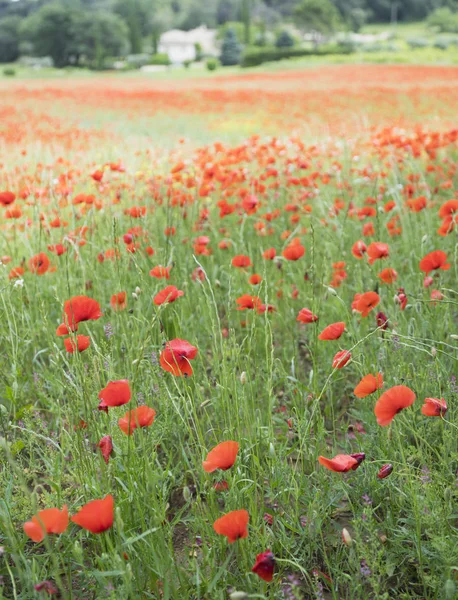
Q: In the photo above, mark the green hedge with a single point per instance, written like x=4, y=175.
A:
x=252, y=58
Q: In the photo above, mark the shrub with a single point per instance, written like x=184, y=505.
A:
x=418, y=43
x=9, y=72
x=135, y=61
x=252, y=58
x=285, y=40
x=159, y=59
x=187, y=63
x=444, y=20
x=212, y=64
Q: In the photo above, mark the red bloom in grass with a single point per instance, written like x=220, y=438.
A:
x=176, y=356
x=248, y=302
x=269, y=254
x=265, y=565
x=7, y=198
x=261, y=309
x=376, y=251
x=368, y=385
x=341, y=359
x=342, y=463
x=434, y=260
x=333, y=331
x=388, y=275
x=160, y=272
x=401, y=298
x=385, y=471
x=427, y=281
x=97, y=175
x=306, y=316
x=82, y=343
x=255, y=279
x=106, y=447
x=382, y=320
x=80, y=308
x=58, y=249
x=51, y=520
x=233, y=525
x=39, y=264
x=221, y=457
x=434, y=407
x=448, y=209
x=143, y=416
x=391, y=402
x=64, y=330
x=358, y=249
x=116, y=393
x=46, y=586
x=366, y=302
x=119, y=301
x=16, y=272
x=96, y=516
x=294, y=251
x=168, y=294
x=241, y=261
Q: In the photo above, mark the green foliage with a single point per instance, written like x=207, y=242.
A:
x=285, y=40
x=253, y=58
x=231, y=49
x=317, y=15
x=9, y=71
x=9, y=39
x=159, y=59
x=444, y=20
x=212, y=64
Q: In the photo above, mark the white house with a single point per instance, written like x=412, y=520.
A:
x=181, y=45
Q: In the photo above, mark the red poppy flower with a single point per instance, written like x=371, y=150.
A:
x=221, y=457
x=358, y=249
x=391, y=402
x=294, y=251
x=119, y=301
x=51, y=520
x=269, y=254
x=248, y=302
x=366, y=302
x=382, y=320
x=106, y=447
x=434, y=260
x=388, y=275
x=47, y=586
x=176, y=356
x=97, y=175
x=143, y=416
x=376, y=251
x=96, y=516
x=368, y=385
x=233, y=525
x=341, y=359
x=160, y=272
x=167, y=295
x=16, y=272
x=39, y=263
x=434, y=407
x=306, y=316
x=255, y=279
x=333, y=331
x=262, y=308
x=116, y=393
x=80, y=308
x=82, y=343
x=341, y=463
x=7, y=198
x=241, y=261
x=264, y=565
x=448, y=209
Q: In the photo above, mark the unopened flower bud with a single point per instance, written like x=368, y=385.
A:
x=243, y=378
x=385, y=471
x=346, y=537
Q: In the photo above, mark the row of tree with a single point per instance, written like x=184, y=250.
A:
x=70, y=30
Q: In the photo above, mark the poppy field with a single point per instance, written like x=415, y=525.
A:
x=229, y=336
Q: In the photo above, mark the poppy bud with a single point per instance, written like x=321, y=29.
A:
x=385, y=471
x=383, y=538
x=450, y=589
x=346, y=537
x=433, y=351
x=243, y=378
x=264, y=565
x=454, y=336
x=134, y=296
x=138, y=291
x=238, y=595
x=77, y=552
x=332, y=291
x=187, y=495
x=359, y=456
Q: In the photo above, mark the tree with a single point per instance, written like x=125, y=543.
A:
x=354, y=12
x=226, y=11
x=231, y=50
x=99, y=35
x=317, y=15
x=9, y=39
x=51, y=32
x=138, y=16
x=443, y=20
